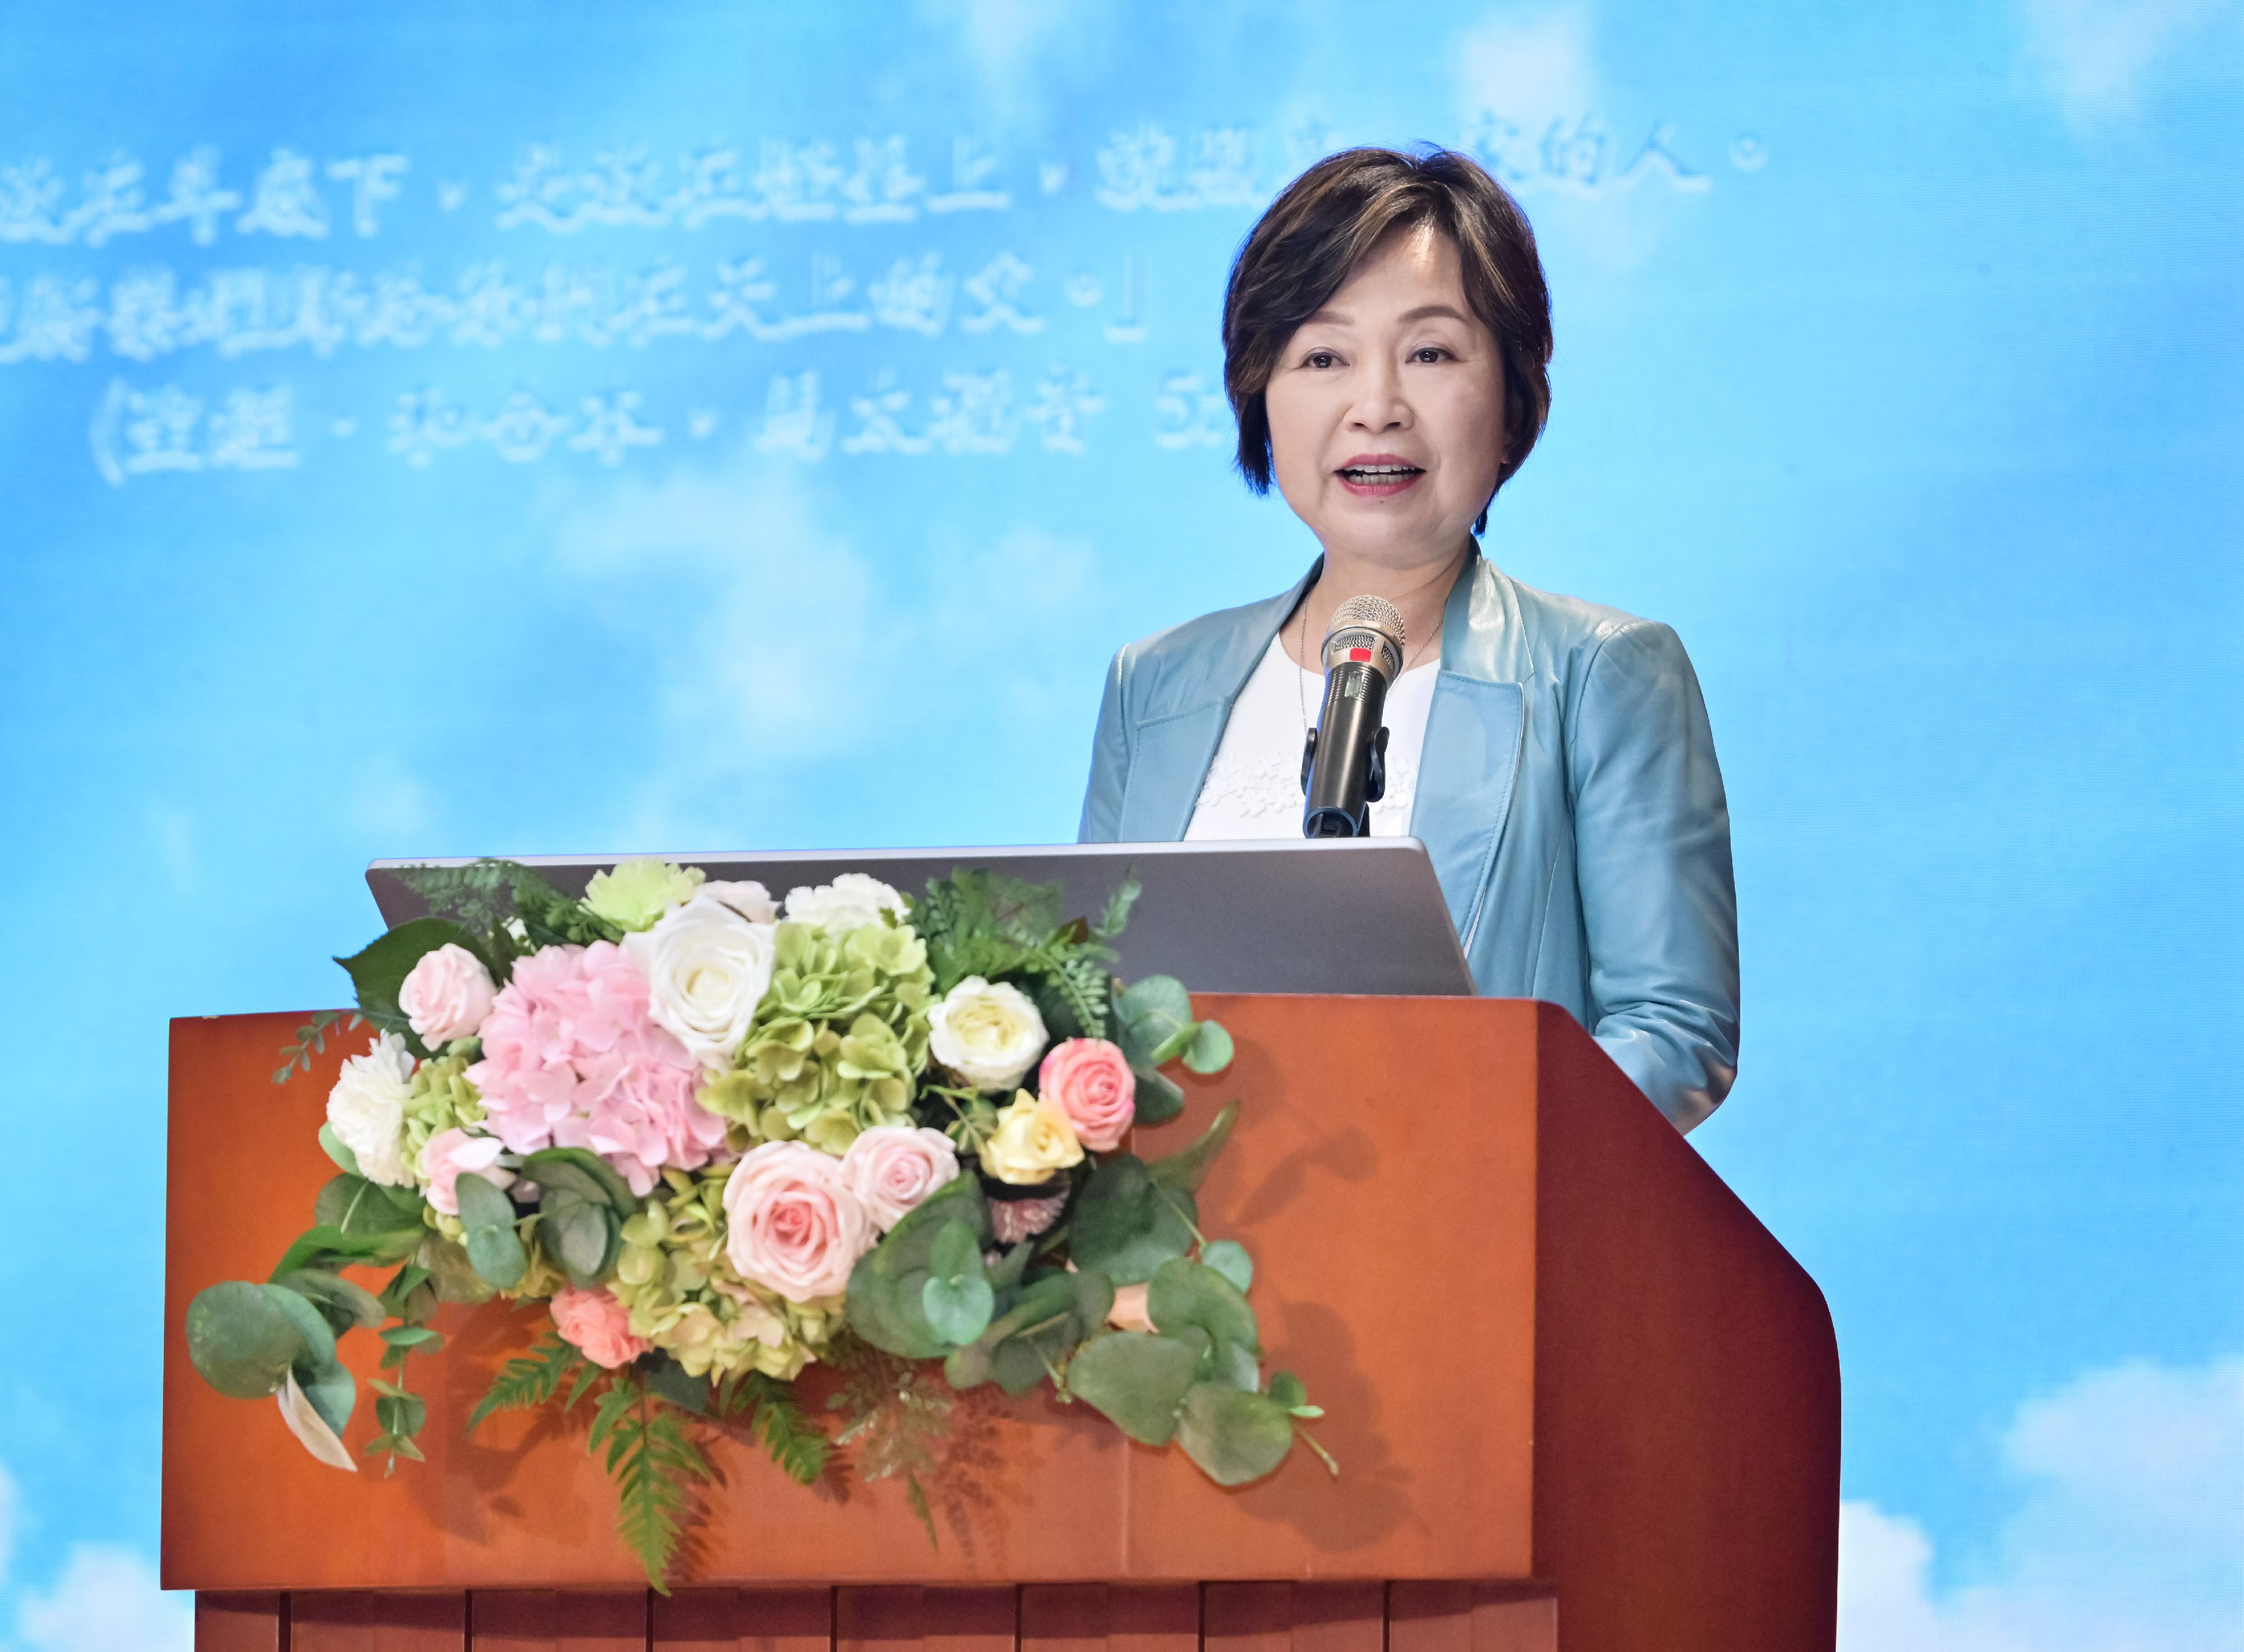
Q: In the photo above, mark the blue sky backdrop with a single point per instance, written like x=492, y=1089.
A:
x=513, y=429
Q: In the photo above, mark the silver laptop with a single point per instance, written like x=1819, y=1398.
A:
x=1340, y=915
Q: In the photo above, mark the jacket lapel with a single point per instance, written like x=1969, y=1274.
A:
x=1172, y=749
x=1474, y=735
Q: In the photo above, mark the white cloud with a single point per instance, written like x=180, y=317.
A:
x=772, y=643
x=2130, y=1537
x=2097, y=56
x=1530, y=69
x=1602, y=174
x=105, y=1600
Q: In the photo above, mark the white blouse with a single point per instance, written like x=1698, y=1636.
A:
x=1253, y=787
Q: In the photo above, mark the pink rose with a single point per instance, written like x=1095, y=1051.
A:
x=792, y=1225
x=891, y=1168
x=450, y=1153
x=1091, y=1081
x=597, y=1325
x=446, y=996
x=573, y=1057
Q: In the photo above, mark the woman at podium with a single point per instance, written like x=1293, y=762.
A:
x=1387, y=337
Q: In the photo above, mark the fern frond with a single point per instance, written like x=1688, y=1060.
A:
x=780, y=1424
x=529, y=1379
x=651, y=1460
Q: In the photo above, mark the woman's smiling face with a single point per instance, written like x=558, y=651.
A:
x=1386, y=408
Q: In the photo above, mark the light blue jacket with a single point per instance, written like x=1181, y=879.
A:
x=1567, y=794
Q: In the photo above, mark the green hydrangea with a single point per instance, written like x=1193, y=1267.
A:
x=638, y=892
x=441, y=1098
x=683, y=1296
x=839, y=1042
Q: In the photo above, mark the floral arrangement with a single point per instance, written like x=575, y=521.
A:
x=721, y=1137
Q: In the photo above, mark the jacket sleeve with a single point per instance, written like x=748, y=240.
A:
x=1652, y=834
x=1109, y=766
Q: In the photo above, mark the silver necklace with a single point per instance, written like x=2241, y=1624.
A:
x=1300, y=673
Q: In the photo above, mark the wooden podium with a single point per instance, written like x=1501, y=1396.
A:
x=1581, y=1399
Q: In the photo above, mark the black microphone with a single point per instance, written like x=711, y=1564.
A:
x=1344, y=764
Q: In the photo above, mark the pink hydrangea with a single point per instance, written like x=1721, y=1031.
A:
x=571, y=1058
x=596, y=1325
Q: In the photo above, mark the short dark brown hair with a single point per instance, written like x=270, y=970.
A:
x=1316, y=233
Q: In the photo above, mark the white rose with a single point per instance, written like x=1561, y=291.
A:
x=749, y=898
x=706, y=967
x=851, y=901
x=367, y=1108
x=990, y=1036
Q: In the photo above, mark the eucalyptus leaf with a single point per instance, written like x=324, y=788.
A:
x=326, y=1247
x=541, y=1166
x=1188, y=1167
x=1160, y=1098
x=1126, y=1226
x=1229, y=1259
x=241, y=1341
x=1288, y=1389
x=577, y=1233
x=1051, y=1301
x=1190, y=1293
x=447, y=1268
x=885, y=1304
x=332, y=1392
x=1234, y=1366
x=412, y=1337
x=497, y=1254
x=957, y=1308
x=333, y=1145
x=319, y=1335
x=401, y=1413
x=1234, y=1436
x=956, y=1255
x=1137, y=1379
x=482, y=1205
x=1007, y=1273
x=344, y=1304
x=1210, y=1051
x=1151, y=1015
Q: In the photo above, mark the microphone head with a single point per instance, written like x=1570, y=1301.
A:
x=1368, y=628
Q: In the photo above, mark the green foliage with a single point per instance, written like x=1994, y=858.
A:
x=1188, y=1167
x=887, y=1301
x=343, y=1305
x=779, y=1423
x=1153, y=1024
x=482, y=897
x=1229, y=1259
x=957, y=1299
x=1137, y=1379
x=242, y=1338
x=1037, y=1326
x=528, y=1379
x=494, y=1249
x=1190, y=1293
x=1126, y=1225
x=378, y=971
x=981, y=923
x=651, y=1460
x=312, y=1040
x=1234, y=1436
x=897, y=1416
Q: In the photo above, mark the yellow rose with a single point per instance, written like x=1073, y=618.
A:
x=1033, y=1140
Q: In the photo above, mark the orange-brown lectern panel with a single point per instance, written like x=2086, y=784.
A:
x=1558, y=1359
